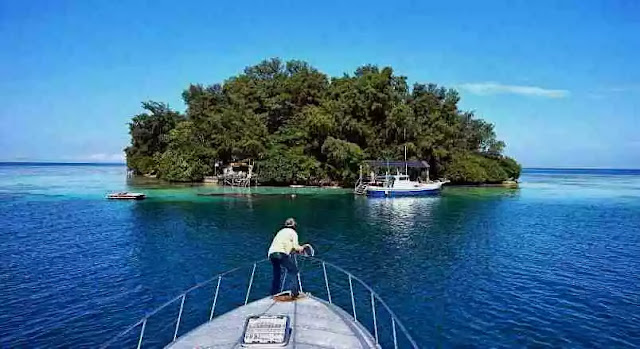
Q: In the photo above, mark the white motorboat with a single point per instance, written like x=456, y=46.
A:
x=401, y=185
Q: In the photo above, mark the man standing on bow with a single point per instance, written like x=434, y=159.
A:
x=284, y=243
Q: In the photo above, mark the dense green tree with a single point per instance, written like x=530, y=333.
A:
x=343, y=158
x=181, y=167
x=289, y=165
x=150, y=135
x=303, y=127
x=511, y=167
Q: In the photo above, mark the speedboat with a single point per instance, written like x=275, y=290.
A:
x=401, y=185
x=335, y=310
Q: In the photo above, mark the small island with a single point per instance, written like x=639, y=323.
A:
x=299, y=126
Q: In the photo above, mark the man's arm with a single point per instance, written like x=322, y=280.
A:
x=296, y=246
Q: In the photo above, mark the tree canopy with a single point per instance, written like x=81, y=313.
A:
x=303, y=127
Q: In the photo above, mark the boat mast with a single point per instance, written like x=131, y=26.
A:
x=406, y=167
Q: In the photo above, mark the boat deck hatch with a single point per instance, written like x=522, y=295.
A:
x=266, y=330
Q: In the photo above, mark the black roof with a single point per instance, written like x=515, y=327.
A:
x=395, y=163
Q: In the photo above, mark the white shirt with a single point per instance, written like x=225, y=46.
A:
x=285, y=241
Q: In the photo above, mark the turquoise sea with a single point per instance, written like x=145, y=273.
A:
x=555, y=263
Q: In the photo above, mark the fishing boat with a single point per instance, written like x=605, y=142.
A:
x=336, y=310
x=125, y=195
x=399, y=184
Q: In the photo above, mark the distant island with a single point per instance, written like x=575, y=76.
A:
x=300, y=126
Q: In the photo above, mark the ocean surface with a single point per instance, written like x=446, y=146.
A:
x=555, y=263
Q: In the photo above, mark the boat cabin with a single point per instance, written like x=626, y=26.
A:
x=417, y=169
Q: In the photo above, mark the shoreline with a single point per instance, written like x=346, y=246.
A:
x=152, y=179
x=204, y=189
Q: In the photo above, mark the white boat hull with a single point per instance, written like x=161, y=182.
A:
x=423, y=189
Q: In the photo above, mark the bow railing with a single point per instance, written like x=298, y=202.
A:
x=236, y=287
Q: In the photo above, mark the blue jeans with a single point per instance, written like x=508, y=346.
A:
x=279, y=261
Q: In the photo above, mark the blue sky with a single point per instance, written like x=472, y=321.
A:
x=560, y=79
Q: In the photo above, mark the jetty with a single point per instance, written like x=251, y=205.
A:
x=238, y=174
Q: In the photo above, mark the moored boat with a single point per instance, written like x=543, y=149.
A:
x=401, y=185
x=125, y=195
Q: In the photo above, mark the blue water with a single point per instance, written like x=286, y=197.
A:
x=553, y=264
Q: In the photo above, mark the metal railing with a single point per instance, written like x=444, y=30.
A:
x=322, y=284
x=360, y=187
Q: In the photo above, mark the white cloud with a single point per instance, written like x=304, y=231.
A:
x=104, y=157
x=491, y=88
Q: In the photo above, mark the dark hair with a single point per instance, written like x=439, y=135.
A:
x=290, y=223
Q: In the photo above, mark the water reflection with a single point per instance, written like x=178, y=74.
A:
x=401, y=216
